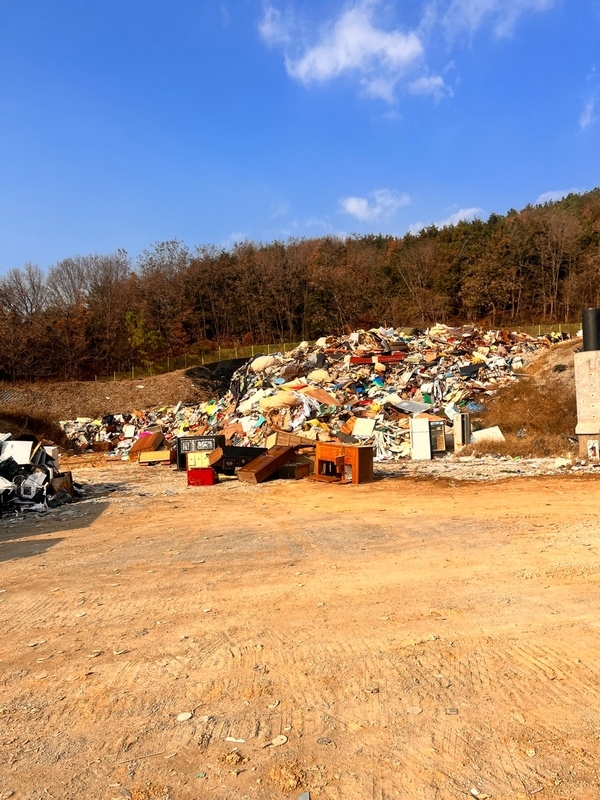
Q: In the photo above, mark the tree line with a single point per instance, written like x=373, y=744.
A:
x=94, y=314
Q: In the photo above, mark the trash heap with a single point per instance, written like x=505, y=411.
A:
x=359, y=388
x=30, y=476
x=364, y=387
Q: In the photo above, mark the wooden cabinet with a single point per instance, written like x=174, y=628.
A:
x=343, y=463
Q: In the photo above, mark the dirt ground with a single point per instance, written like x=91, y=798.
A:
x=410, y=639
x=70, y=399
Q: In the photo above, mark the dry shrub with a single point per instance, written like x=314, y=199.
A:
x=537, y=418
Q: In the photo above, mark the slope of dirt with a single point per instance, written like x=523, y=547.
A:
x=555, y=367
x=56, y=401
x=406, y=639
x=538, y=413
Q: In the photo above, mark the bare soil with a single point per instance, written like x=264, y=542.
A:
x=410, y=639
x=67, y=400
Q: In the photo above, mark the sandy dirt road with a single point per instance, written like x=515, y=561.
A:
x=411, y=639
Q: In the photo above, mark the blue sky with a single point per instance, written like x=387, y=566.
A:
x=126, y=122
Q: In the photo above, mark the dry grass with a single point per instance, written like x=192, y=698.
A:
x=538, y=413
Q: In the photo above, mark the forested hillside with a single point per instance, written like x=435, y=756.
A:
x=97, y=313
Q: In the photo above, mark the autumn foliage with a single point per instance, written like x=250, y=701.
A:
x=97, y=314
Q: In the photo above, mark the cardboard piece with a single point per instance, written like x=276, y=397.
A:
x=320, y=395
x=363, y=427
x=488, y=435
x=63, y=482
x=151, y=441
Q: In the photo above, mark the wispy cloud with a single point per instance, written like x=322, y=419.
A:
x=351, y=44
x=235, y=238
x=553, y=196
x=274, y=28
x=384, y=57
x=463, y=215
x=588, y=115
x=383, y=204
x=355, y=44
x=469, y=15
x=279, y=209
x=433, y=85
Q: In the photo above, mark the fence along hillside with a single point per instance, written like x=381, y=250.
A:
x=101, y=315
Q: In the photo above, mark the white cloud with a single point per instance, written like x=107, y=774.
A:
x=553, y=196
x=355, y=43
x=273, y=28
x=469, y=15
x=237, y=237
x=588, y=116
x=351, y=44
x=433, y=85
x=383, y=204
x=463, y=215
x=385, y=58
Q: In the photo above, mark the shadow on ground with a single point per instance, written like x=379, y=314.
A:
x=25, y=536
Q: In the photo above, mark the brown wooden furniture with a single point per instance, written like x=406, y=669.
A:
x=343, y=463
x=264, y=466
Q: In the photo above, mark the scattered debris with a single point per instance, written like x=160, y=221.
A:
x=362, y=388
x=30, y=476
x=277, y=741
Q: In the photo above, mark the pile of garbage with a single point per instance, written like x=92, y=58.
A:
x=30, y=476
x=359, y=388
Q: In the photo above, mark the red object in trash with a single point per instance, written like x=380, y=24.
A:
x=202, y=476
